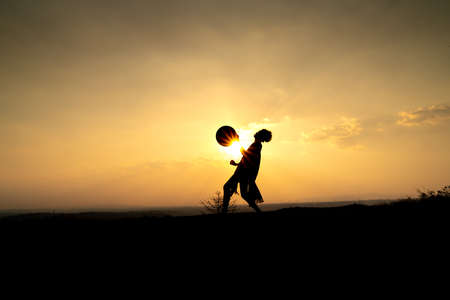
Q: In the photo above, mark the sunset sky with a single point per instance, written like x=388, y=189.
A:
x=116, y=103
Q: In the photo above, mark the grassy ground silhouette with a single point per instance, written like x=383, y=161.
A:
x=428, y=210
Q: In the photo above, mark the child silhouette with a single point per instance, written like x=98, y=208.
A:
x=246, y=173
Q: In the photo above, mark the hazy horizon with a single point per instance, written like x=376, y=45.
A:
x=186, y=210
x=116, y=103
x=238, y=201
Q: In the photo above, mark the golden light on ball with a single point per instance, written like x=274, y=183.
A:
x=226, y=135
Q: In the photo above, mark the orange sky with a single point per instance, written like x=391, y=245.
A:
x=112, y=103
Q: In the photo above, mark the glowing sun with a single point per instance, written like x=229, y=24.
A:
x=234, y=151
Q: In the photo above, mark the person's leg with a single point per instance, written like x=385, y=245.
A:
x=229, y=189
x=248, y=192
x=255, y=206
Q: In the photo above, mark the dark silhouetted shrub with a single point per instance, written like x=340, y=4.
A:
x=215, y=203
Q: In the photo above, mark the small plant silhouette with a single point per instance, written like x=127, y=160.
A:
x=443, y=193
x=215, y=203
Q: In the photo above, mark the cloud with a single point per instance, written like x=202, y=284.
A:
x=342, y=134
x=422, y=116
x=264, y=123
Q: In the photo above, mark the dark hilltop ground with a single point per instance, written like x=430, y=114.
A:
x=402, y=235
x=425, y=215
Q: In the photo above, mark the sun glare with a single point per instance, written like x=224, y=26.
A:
x=234, y=151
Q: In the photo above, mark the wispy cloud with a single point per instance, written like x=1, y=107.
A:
x=264, y=123
x=431, y=115
x=341, y=134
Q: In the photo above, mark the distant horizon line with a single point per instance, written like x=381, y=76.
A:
x=123, y=208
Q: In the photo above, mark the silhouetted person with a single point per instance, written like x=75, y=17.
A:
x=246, y=173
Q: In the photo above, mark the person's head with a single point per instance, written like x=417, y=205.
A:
x=263, y=135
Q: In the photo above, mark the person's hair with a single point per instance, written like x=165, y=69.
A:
x=263, y=135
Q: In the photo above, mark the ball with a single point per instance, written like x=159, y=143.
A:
x=226, y=135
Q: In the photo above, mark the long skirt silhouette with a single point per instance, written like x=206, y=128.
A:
x=248, y=188
x=245, y=174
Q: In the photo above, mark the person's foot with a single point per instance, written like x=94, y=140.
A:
x=256, y=208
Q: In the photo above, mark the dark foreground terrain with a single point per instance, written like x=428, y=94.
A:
x=419, y=218
x=378, y=239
